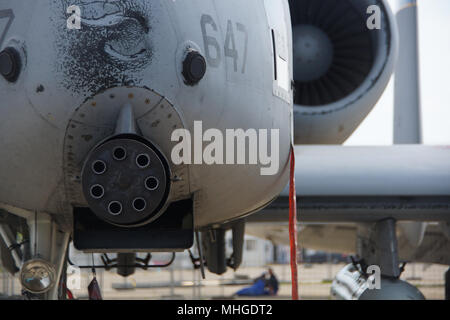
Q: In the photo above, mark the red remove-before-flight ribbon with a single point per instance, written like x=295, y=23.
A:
x=293, y=227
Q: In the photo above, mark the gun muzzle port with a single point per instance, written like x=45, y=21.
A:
x=115, y=208
x=119, y=153
x=143, y=161
x=139, y=204
x=97, y=191
x=99, y=167
x=151, y=183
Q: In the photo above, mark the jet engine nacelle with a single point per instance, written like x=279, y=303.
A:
x=344, y=56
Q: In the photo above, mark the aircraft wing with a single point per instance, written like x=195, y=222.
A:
x=363, y=184
x=341, y=237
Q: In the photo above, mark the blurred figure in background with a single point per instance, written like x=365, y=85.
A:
x=266, y=284
x=272, y=283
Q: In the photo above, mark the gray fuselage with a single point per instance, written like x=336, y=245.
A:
x=72, y=84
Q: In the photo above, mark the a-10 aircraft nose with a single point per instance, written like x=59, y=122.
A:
x=176, y=64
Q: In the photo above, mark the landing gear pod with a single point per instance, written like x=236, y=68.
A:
x=126, y=179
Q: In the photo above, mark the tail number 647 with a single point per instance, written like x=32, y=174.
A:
x=213, y=50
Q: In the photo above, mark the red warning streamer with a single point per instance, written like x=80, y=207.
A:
x=293, y=227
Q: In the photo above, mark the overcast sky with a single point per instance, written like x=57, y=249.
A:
x=434, y=42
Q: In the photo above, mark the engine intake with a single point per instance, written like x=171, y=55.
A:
x=333, y=52
x=341, y=67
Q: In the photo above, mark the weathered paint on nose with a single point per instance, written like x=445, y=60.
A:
x=110, y=49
